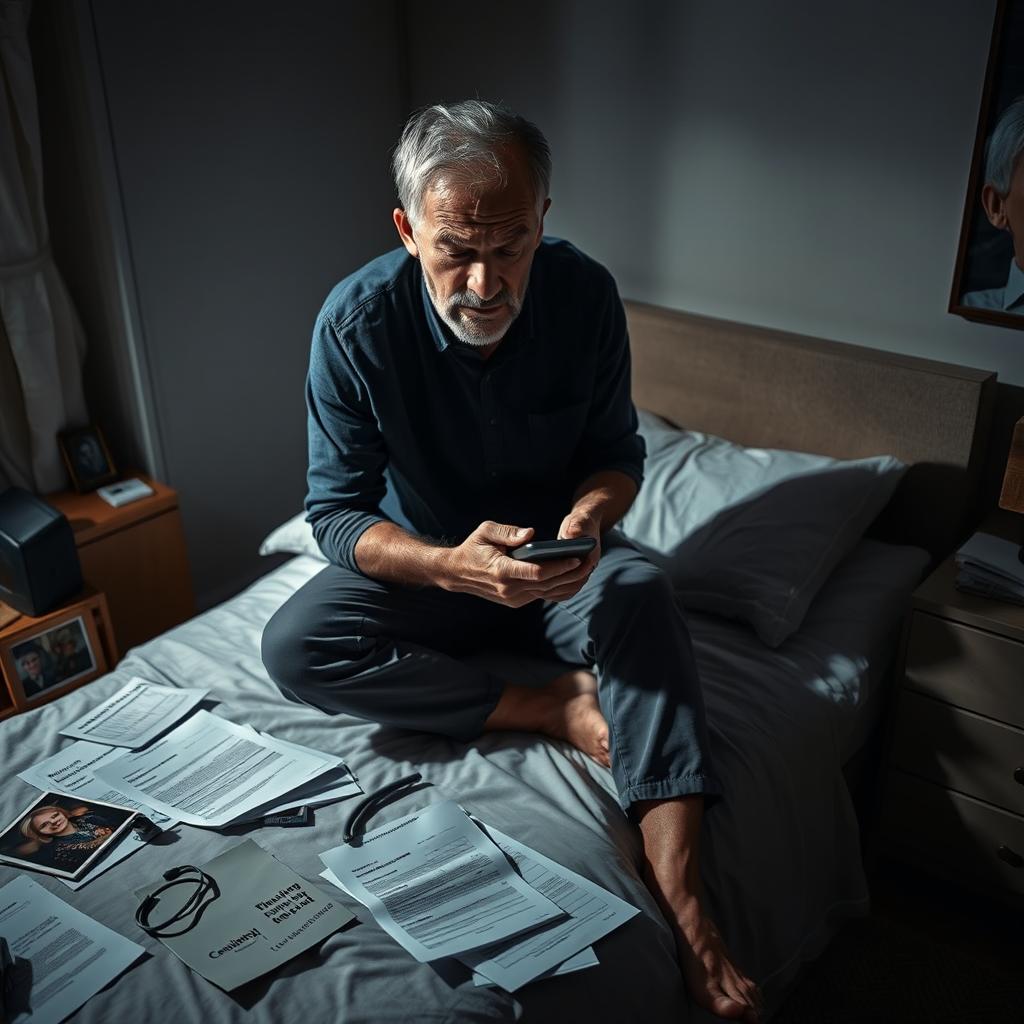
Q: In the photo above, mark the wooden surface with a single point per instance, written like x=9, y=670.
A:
x=136, y=555
x=953, y=798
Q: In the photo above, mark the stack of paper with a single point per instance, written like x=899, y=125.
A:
x=441, y=887
x=991, y=566
x=211, y=772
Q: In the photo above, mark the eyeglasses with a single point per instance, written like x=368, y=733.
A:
x=205, y=892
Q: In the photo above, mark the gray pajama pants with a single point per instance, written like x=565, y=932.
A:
x=346, y=643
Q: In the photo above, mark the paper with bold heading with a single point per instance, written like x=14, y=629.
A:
x=71, y=771
x=135, y=715
x=437, y=885
x=61, y=956
x=593, y=913
x=210, y=772
x=264, y=915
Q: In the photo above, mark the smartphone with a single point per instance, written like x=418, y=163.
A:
x=549, y=550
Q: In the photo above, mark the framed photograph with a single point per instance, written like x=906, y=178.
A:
x=64, y=652
x=63, y=835
x=988, y=282
x=86, y=457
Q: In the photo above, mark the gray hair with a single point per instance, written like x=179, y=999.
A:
x=1004, y=147
x=463, y=139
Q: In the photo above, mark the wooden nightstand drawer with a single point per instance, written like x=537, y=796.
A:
x=959, y=749
x=961, y=834
x=968, y=667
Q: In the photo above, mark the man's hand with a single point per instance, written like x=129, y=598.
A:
x=579, y=523
x=480, y=565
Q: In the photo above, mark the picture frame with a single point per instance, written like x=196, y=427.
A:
x=988, y=279
x=49, y=656
x=62, y=834
x=86, y=457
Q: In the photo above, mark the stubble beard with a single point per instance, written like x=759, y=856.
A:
x=467, y=330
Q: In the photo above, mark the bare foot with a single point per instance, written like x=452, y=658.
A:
x=670, y=830
x=712, y=979
x=575, y=716
x=565, y=709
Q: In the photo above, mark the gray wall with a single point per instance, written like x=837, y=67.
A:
x=799, y=165
x=250, y=146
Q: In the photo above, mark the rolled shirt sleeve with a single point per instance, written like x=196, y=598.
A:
x=347, y=454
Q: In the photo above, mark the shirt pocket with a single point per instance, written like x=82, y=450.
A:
x=555, y=436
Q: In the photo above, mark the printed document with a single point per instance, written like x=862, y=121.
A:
x=136, y=715
x=211, y=772
x=437, y=885
x=262, y=915
x=580, y=962
x=71, y=771
x=593, y=913
x=61, y=956
x=337, y=783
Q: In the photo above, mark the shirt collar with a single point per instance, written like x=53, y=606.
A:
x=1014, y=290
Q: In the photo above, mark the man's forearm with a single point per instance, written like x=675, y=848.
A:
x=605, y=497
x=388, y=553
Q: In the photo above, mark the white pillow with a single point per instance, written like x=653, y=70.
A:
x=751, y=533
x=294, y=538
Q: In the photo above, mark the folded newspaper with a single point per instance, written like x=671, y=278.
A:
x=443, y=886
x=211, y=772
x=991, y=566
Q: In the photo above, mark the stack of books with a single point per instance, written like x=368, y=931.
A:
x=991, y=566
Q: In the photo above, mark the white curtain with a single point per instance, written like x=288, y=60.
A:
x=42, y=344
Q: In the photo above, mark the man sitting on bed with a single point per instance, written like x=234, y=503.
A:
x=468, y=393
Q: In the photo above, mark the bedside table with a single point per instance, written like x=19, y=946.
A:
x=136, y=555
x=953, y=793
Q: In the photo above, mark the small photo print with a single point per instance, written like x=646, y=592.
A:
x=62, y=835
x=53, y=658
x=86, y=457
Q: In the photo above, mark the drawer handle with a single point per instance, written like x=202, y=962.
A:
x=1018, y=775
x=1015, y=860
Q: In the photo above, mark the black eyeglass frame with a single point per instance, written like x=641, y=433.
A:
x=194, y=906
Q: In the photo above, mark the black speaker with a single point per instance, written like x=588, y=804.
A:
x=39, y=564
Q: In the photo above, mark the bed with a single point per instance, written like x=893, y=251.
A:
x=781, y=854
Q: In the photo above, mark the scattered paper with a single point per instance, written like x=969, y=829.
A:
x=556, y=948
x=210, y=772
x=337, y=782
x=580, y=962
x=71, y=771
x=261, y=916
x=593, y=913
x=437, y=885
x=61, y=956
x=136, y=715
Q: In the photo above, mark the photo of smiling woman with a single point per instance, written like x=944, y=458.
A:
x=62, y=835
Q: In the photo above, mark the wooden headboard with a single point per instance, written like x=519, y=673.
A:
x=771, y=389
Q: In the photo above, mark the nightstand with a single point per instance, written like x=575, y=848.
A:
x=136, y=555
x=953, y=792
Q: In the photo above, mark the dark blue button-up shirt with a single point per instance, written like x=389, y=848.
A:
x=409, y=425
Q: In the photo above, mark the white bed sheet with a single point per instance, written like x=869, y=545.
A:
x=780, y=853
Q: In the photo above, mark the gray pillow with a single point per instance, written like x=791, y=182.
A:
x=751, y=533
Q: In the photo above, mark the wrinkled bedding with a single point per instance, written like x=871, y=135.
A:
x=780, y=852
